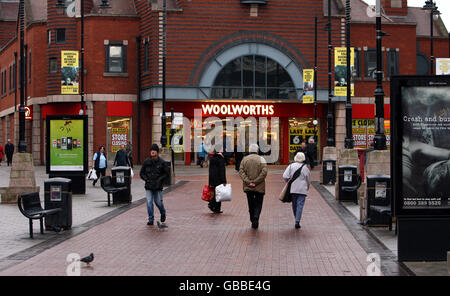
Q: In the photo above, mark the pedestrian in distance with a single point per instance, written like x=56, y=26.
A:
x=201, y=155
x=153, y=172
x=304, y=149
x=217, y=176
x=121, y=158
x=311, y=149
x=100, y=163
x=253, y=172
x=129, y=151
x=9, y=151
x=1, y=154
x=300, y=186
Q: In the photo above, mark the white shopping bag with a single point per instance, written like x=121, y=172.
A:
x=131, y=173
x=223, y=193
x=92, y=175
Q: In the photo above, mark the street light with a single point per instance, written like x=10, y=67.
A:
x=22, y=143
x=380, y=137
x=330, y=118
x=163, y=117
x=434, y=14
x=349, y=143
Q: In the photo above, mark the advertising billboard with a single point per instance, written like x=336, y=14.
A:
x=66, y=144
x=69, y=72
x=421, y=145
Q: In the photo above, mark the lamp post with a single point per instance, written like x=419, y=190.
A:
x=380, y=137
x=349, y=143
x=163, y=117
x=330, y=118
x=315, y=79
x=82, y=59
x=434, y=12
x=22, y=143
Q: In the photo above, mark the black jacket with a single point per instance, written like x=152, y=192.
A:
x=9, y=149
x=153, y=172
x=121, y=158
x=97, y=161
x=307, y=154
x=217, y=174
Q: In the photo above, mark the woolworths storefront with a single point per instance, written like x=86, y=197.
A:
x=283, y=126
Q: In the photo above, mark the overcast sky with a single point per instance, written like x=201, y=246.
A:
x=443, y=6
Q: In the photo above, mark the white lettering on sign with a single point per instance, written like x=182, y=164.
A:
x=238, y=110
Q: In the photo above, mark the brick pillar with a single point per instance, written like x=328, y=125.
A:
x=340, y=129
x=156, y=122
x=36, y=135
x=90, y=114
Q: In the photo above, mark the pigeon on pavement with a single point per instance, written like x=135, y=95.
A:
x=161, y=225
x=88, y=259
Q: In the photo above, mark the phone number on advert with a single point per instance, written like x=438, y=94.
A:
x=410, y=203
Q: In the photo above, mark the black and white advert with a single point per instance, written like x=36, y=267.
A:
x=426, y=147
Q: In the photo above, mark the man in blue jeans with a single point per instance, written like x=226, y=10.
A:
x=153, y=172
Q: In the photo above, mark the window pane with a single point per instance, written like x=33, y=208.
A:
x=371, y=63
x=230, y=75
x=423, y=64
x=115, y=51
x=115, y=65
x=248, y=68
x=60, y=35
x=272, y=73
x=53, y=65
x=260, y=71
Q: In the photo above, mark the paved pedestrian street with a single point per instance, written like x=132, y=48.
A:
x=199, y=242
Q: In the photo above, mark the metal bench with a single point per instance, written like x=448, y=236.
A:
x=30, y=206
x=107, y=185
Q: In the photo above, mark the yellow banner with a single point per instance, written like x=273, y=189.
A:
x=340, y=56
x=308, y=75
x=69, y=58
x=308, y=99
x=341, y=91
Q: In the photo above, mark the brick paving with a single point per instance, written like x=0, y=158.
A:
x=199, y=242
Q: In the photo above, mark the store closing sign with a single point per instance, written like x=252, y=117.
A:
x=119, y=136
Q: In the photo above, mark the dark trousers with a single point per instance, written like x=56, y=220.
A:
x=9, y=159
x=99, y=172
x=213, y=204
x=130, y=160
x=255, y=202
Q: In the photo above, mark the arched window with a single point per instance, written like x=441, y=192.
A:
x=253, y=77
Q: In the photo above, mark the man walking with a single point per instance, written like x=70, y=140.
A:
x=253, y=172
x=129, y=151
x=153, y=172
x=121, y=158
x=9, y=151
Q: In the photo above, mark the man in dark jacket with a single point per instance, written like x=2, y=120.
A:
x=217, y=176
x=121, y=158
x=304, y=149
x=153, y=172
x=9, y=151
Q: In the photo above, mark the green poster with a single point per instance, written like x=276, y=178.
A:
x=66, y=145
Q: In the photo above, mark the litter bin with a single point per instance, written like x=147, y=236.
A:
x=168, y=168
x=58, y=194
x=349, y=182
x=329, y=171
x=121, y=177
x=378, y=197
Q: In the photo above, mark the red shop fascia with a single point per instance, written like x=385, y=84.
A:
x=223, y=110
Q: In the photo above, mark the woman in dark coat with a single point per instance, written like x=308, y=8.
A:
x=217, y=176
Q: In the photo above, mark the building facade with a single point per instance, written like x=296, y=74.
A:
x=230, y=60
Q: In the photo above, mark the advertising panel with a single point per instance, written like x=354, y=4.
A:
x=421, y=134
x=442, y=66
x=69, y=72
x=119, y=136
x=66, y=145
x=340, y=71
x=308, y=86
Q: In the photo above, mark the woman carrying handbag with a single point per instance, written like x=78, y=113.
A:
x=300, y=186
x=217, y=176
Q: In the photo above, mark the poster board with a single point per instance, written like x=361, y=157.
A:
x=420, y=124
x=69, y=72
x=66, y=148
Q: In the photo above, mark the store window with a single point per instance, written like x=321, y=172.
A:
x=253, y=77
x=302, y=130
x=371, y=63
x=119, y=133
x=363, y=131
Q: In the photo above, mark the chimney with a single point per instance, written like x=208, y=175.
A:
x=395, y=7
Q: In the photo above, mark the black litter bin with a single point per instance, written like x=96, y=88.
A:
x=167, y=181
x=329, y=171
x=121, y=177
x=349, y=182
x=58, y=194
x=378, y=200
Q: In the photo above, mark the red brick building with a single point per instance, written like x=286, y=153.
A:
x=250, y=54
